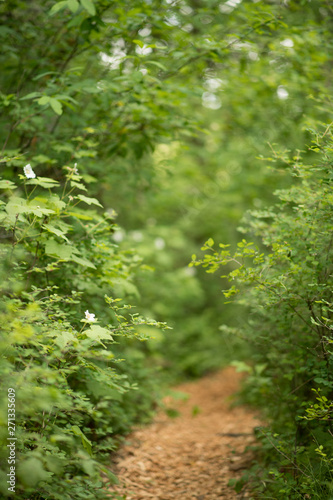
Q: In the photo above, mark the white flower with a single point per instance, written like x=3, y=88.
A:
x=159, y=243
x=75, y=170
x=29, y=173
x=282, y=93
x=287, y=43
x=89, y=317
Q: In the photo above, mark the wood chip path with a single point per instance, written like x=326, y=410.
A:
x=193, y=455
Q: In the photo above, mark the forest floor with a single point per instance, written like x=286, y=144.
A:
x=193, y=455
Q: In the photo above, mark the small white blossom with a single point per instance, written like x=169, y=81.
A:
x=287, y=43
x=282, y=93
x=29, y=173
x=89, y=317
x=75, y=170
x=119, y=236
x=159, y=243
x=144, y=50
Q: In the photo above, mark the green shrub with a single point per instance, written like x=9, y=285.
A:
x=73, y=395
x=286, y=281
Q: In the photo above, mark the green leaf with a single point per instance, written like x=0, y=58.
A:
x=103, y=390
x=20, y=206
x=51, y=229
x=139, y=42
x=111, y=476
x=64, y=97
x=158, y=64
x=30, y=96
x=58, y=250
x=45, y=182
x=43, y=159
x=55, y=202
x=40, y=212
x=45, y=99
x=73, y=5
x=83, y=262
x=89, y=201
x=16, y=206
x=7, y=184
x=55, y=464
x=41, y=75
x=56, y=105
x=80, y=216
x=85, y=441
x=63, y=338
x=98, y=333
x=58, y=7
x=78, y=185
x=31, y=472
x=89, y=467
x=89, y=6
x=241, y=366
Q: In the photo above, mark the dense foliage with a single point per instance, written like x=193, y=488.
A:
x=130, y=133
x=71, y=396
x=287, y=285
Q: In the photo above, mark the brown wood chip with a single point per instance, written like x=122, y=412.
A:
x=191, y=456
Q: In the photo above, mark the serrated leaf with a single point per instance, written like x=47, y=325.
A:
x=58, y=250
x=73, y=5
x=80, y=216
x=20, y=206
x=83, y=262
x=63, y=338
x=89, y=6
x=16, y=206
x=51, y=229
x=96, y=332
x=40, y=212
x=3, y=218
x=7, y=184
x=45, y=182
x=55, y=202
x=89, y=201
x=64, y=226
x=78, y=185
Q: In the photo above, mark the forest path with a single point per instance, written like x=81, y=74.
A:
x=191, y=456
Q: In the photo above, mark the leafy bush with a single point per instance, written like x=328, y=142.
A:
x=286, y=281
x=73, y=396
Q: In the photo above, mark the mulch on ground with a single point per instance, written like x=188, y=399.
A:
x=193, y=455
